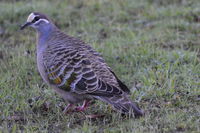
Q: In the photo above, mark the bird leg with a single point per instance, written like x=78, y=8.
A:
x=83, y=107
x=68, y=108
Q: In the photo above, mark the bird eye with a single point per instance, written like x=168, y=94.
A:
x=36, y=19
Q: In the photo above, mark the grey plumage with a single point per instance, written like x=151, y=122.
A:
x=75, y=70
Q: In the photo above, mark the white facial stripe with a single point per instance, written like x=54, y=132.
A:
x=46, y=21
x=31, y=17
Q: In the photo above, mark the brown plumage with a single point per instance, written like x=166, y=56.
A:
x=75, y=70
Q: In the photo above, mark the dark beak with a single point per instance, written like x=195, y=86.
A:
x=25, y=25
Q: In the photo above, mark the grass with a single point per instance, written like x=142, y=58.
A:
x=152, y=45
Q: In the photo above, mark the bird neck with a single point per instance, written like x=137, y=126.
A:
x=44, y=33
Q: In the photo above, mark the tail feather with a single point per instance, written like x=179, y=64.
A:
x=123, y=105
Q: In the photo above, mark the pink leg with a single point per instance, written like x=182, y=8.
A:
x=84, y=106
x=68, y=108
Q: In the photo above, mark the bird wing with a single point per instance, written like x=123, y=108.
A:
x=81, y=70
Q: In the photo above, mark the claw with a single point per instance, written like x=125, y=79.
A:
x=70, y=107
x=83, y=107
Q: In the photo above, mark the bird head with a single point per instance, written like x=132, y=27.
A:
x=36, y=20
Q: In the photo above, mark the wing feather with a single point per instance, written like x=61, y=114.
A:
x=81, y=69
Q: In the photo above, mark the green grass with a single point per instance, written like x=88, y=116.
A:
x=152, y=45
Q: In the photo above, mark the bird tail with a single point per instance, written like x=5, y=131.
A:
x=122, y=104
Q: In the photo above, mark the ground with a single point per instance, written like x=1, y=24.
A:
x=152, y=45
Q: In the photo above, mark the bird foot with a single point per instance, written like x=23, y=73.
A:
x=68, y=109
x=83, y=107
x=79, y=109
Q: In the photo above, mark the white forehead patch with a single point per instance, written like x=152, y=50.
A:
x=31, y=17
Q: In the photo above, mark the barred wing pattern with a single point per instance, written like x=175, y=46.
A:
x=73, y=66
